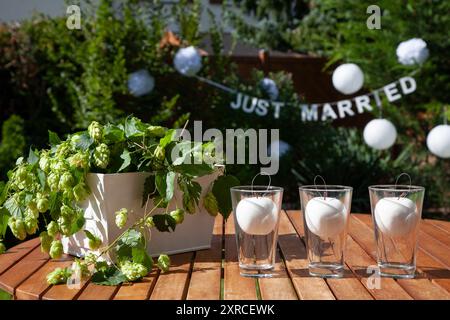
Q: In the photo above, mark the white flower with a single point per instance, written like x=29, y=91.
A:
x=140, y=83
x=412, y=51
x=270, y=87
x=188, y=61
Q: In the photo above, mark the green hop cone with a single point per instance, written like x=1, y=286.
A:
x=32, y=212
x=56, y=249
x=32, y=205
x=101, y=266
x=164, y=262
x=44, y=163
x=42, y=204
x=149, y=222
x=133, y=271
x=52, y=229
x=189, y=204
x=66, y=211
x=46, y=241
x=81, y=267
x=178, y=215
x=79, y=160
x=65, y=224
x=156, y=131
x=59, y=275
x=101, y=156
x=31, y=224
x=62, y=150
x=121, y=217
x=80, y=192
x=66, y=181
x=17, y=227
x=58, y=166
x=21, y=173
x=53, y=181
x=2, y=248
x=95, y=131
x=210, y=204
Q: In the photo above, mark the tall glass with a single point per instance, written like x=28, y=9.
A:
x=326, y=210
x=396, y=213
x=256, y=212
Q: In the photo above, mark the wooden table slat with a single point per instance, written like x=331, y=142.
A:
x=15, y=254
x=138, y=290
x=294, y=252
x=207, y=269
x=97, y=292
x=18, y=273
x=173, y=284
x=236, y=287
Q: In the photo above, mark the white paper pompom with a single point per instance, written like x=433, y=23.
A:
x=412, y=51
x=188, y=61
x=270, y=87
x=438, y=141
x=279, y=147
x=380, y=134
x=140, y=83
x=348, y=78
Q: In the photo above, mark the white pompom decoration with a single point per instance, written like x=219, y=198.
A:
x=412, y=51
x=438, y=141
x=188, y=61
x=270, y=87
x=140, y=83
x=279, y=147
x=380, y=134
x=348, y=78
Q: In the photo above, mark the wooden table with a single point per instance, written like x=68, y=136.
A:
x=214, y=273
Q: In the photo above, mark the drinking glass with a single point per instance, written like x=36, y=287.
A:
x=326, y=210
x=396, y=213
x=256, y=213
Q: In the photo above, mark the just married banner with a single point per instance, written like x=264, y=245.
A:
x=320, y=111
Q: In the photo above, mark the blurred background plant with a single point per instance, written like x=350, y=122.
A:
x=58, y=79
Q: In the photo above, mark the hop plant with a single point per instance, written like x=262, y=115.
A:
x=80, y=191
x=17, y=228
x=156, y=131
x=56, y=249
x=31, y=212
x=41, y=203
x=66, y=211
x=58, y=166
x=46, y=241
x=159, y=153
x=101, y=156
x=164, y=262
x=59, y=275
x=121, y=217
x=66, y=181
x=52, y=229
x=53, y=181
x=2, y=248
x=94, y=243
x=44, y=162
x=177, y=215
x=79, y=160
x=149, y=222
x=81, y=267
x=189, y=204
x=31, y=224
x=65, y=223
x=62, y=150
x=210, y=204
x=95, y=131
x=132, y=270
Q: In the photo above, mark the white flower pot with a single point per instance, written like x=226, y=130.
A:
x=111, y=192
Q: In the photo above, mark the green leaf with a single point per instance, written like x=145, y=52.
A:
x=161, y=183
x=134, y=127
x=109, y=277
x=4, y=191
x=170, y=185
x=41, y=177
x=113, y=134
x=126, y=157
x=131, y=239
x=221, y=190
x=84, y=142
x=90, y=236
x=32, y=157
x=14, y=207
x=140, y=255
x=53, y=138
x=168, y=138
x=194, y=170
x=164, y=222
x=4, y=217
